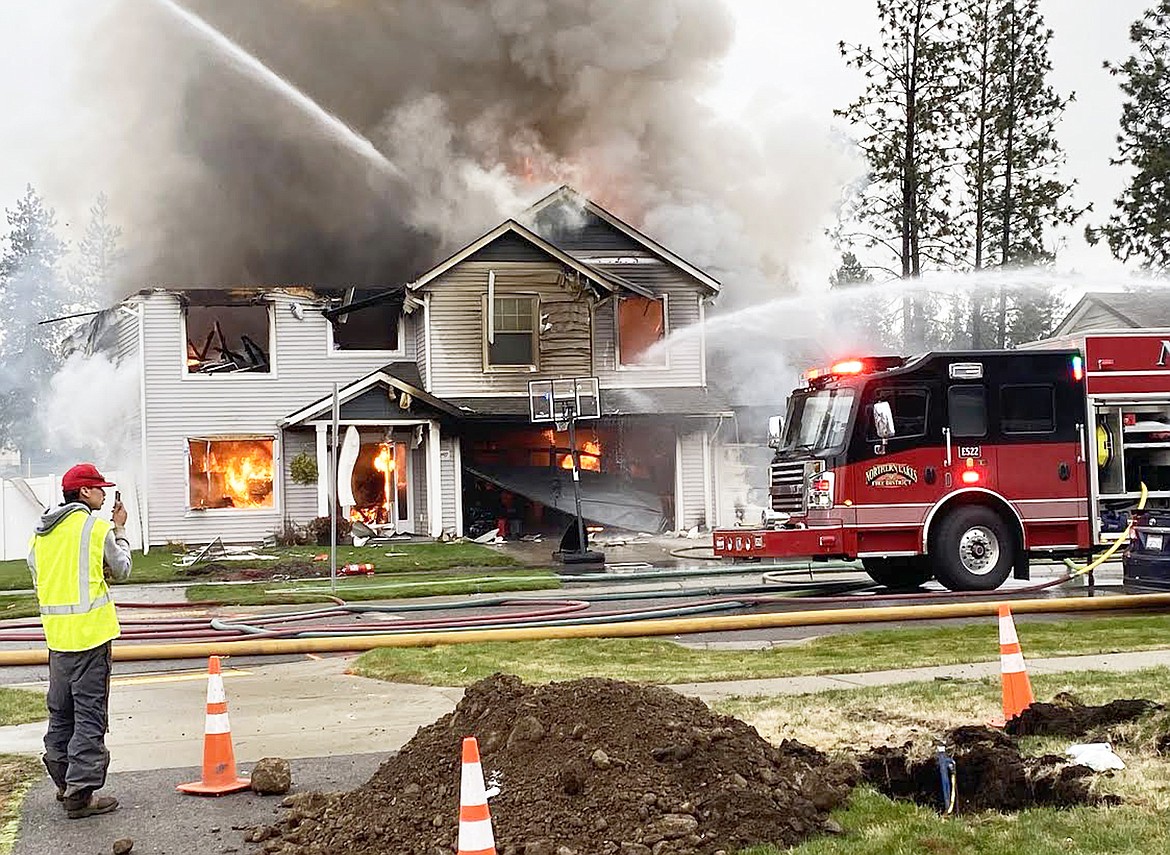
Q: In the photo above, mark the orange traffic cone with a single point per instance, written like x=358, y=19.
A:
x=219, y=760
x=475, y=822
x=1017, y=690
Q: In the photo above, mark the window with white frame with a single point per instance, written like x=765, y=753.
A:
x=510, y=331
x=230, y=472
x=641, y=332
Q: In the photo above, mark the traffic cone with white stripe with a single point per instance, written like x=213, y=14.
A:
x=1017, y=690
x=475, y=822
x=219, y=760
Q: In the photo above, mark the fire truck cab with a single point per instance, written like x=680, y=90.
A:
x=949, y=465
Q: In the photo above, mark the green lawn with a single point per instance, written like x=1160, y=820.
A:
x=662, y=661
x=18, y=706
x=159, y=564
x=875, y=825
x=378, y=587
x=18, y=606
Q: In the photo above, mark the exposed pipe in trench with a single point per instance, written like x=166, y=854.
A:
x=671, y=626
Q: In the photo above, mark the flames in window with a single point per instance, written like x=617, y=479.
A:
x=588, y=450
x=230, y=473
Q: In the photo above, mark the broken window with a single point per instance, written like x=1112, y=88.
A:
x=227, y=338
x=229, y=472
x=510, y=332
x=641, y=324
x=373, y=325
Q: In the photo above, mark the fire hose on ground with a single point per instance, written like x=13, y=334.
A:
x=627, y=629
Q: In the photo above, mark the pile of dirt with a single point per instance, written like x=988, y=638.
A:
x=1066, y=716
x=587, y=767
x=990, y=774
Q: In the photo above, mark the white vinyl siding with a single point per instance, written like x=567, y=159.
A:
x=181, y=405
x=450, y=480
x=692, y=477
x=300, y=500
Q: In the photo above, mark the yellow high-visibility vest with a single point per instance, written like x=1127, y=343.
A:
x=76, y=610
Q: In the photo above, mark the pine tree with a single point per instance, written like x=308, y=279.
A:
x=1015, y=194
x=906, y=116
x=1139, y=228
x=850, y=273
x=94, y=275
x=30, y=291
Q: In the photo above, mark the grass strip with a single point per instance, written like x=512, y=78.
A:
x=159, y=564
x=662, y=661
x=19, y=706
x=359, y=588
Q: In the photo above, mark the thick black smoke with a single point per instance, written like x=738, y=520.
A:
x=482, y=105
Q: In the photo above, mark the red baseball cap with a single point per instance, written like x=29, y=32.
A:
x=83, y=475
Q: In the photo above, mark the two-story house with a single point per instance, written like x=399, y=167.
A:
x=237, y=390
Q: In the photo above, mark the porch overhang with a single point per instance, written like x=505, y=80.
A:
x=381, y=395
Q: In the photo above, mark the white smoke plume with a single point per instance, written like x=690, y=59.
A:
x=93, y=404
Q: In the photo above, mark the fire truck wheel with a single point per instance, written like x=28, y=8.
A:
x=973, y=549
x=899, y=572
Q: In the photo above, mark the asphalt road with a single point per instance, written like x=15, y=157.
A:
x=162, y=821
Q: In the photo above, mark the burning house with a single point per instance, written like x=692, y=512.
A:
x=432, y=376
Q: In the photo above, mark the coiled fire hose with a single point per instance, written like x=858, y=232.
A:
x=1075, y=570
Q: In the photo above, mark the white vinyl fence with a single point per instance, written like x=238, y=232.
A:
x=23, y=500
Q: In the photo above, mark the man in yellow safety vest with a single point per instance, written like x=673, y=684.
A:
x=72, y=554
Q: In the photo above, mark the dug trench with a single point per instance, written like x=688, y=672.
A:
x=601, y=766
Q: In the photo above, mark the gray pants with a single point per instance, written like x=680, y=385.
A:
x=79, y=712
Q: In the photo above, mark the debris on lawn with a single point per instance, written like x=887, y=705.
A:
x=1066, y=716
x=588, y=766
x=990, y=774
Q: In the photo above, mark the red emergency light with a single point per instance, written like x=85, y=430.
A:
x=970, y=474
x=851, y=366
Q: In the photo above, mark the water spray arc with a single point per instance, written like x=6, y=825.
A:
x=246, y=62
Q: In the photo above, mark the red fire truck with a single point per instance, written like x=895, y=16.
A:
x=960, y=466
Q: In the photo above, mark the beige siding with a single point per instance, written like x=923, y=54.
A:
x=1097, y=317
x=457, y=327
x=692, y=480
x=684, y=358
x=179, y=406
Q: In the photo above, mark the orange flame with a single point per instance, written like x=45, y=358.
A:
x=590, y=453
x=246, y=469
x=384, y=463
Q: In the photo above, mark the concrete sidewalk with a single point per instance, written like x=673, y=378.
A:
x=313, y=708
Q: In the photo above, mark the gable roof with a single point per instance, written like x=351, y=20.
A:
x=603, y=281
x=1145, y=309
x=402, y=376
x=566, y=194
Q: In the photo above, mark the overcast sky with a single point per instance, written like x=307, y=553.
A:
x=794, y=44
x=784, y=52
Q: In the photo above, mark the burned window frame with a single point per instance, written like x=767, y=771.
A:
x=664, y=299
x=331, y=348
x=264, y=305
x=277, y=476
x=522, y=368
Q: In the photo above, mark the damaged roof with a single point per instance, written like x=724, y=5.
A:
x=567, y=196
x=604, y=282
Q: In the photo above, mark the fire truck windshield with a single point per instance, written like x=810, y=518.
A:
x=818, y=421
